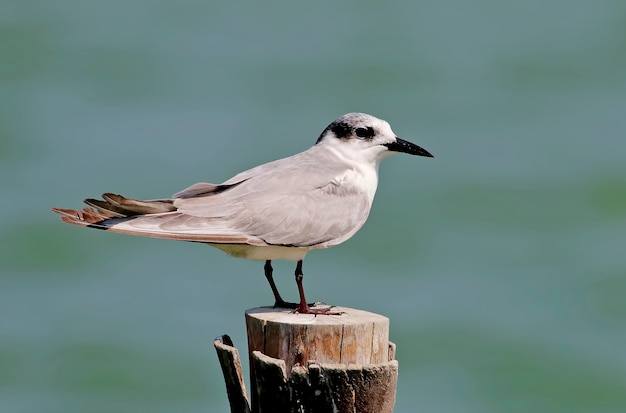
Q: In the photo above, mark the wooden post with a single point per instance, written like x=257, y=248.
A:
x=315, y=363
x=233, y=374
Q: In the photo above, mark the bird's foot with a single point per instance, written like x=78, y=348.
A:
x=317, y=308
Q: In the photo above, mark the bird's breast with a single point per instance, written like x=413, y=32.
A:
x=356, y=181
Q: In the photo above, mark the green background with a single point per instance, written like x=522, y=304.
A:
x=501, y=262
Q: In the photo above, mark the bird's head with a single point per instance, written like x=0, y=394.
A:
x=363, y=137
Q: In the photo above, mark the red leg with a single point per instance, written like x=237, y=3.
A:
x=303, y=307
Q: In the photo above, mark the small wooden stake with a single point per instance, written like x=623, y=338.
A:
x=228, y=356
x=354, y=337
x=313, y=363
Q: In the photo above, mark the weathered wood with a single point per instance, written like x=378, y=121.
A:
x=313, y=364
x=354, y=337
x=333, y=388
x=271, y=384
x=233, y=374
x=320, y=363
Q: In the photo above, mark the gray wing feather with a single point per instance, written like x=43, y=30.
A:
x=292, y=201
x=297, y=201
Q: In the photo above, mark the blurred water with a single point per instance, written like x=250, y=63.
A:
x=500, y=263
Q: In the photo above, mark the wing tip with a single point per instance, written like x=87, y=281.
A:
x=84, y=217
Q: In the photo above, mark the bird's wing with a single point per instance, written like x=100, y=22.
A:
x=169, y=225
x=322, y=217
x=204, y=189
x=296, y=201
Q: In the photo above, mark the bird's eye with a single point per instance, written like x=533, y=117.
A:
x=364, y=132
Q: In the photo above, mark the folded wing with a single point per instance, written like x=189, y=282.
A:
x=291, y=202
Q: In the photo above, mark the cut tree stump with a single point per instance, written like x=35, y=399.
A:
x=315, y=363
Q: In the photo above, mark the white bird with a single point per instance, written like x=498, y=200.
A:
x=279, y=210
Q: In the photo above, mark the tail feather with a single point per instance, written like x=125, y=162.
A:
x=127, y=207
x=113, y=206
x=105, y=207
x=154, y=218
x=84, y=217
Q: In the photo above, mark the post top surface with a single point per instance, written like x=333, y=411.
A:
x=348, y=316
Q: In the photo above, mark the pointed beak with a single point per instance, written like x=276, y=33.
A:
x=401, y=145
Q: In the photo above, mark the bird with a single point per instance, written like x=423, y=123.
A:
x=279, y=210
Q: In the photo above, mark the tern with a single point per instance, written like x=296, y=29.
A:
x=279, y=210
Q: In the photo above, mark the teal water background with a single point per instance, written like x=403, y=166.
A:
x=501, y=263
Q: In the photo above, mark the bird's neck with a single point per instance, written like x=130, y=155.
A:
x=361, y=160
x=360, y=173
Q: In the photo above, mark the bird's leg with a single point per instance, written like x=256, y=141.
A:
x=278, y=300
x=303, y=307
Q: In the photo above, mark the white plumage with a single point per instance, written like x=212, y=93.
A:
x=279, y=210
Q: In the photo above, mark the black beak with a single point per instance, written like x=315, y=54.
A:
x=407, y=147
